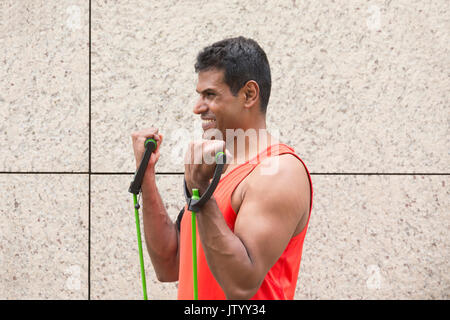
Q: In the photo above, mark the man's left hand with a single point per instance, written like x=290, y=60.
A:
x=200, y=163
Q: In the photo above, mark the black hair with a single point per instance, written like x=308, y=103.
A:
x=241, y=59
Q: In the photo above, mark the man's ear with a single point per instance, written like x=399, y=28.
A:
x=251, y=93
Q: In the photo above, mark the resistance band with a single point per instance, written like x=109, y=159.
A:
x=194, y=205
x=135, y=189
x=195, y=196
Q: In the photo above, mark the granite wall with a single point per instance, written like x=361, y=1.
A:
x=360, y=89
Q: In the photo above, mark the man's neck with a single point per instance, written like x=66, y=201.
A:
x=244, y=145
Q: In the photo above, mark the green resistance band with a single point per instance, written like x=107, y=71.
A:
x=194, y=204
x=141, y=257
x=135, y=189
x=195, y=196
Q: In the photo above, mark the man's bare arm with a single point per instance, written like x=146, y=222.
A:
x=270, y=212
x=161, y=234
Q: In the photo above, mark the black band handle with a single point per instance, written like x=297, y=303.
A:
x=135, y=186
x=196, y=205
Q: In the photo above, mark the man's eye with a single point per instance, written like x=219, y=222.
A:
x=210, y=94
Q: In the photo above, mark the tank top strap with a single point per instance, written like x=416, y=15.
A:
x=272, y=150
x=235, y=176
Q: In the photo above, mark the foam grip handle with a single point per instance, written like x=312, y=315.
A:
x=135, y=186
x=150, y=143
x=195, y=205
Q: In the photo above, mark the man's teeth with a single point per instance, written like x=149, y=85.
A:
x=209, y=121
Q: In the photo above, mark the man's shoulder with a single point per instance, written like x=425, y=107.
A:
x=281, y=165
x=285, y=170
x=281, y=186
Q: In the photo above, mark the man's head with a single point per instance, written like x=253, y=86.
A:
x=234, y=82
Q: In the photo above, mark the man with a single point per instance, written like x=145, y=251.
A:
x=252, y=229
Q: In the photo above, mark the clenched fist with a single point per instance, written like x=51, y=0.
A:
x=200, y=163
x=138, y=139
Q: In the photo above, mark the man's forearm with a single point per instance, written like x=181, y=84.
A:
x=161, y=235
x=226, y=254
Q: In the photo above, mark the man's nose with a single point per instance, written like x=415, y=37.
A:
x=200, y=107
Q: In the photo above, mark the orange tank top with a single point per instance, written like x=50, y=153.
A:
x=280, y=281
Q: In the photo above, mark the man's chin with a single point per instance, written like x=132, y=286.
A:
x=212, y=134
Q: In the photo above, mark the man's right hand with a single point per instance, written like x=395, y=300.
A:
x=161, y=234
x=138, y=139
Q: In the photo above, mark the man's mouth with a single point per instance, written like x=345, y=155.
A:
x=208, y=123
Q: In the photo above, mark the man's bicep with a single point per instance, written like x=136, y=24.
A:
x=266, y=221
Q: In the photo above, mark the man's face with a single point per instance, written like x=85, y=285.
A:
x=216, y=105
